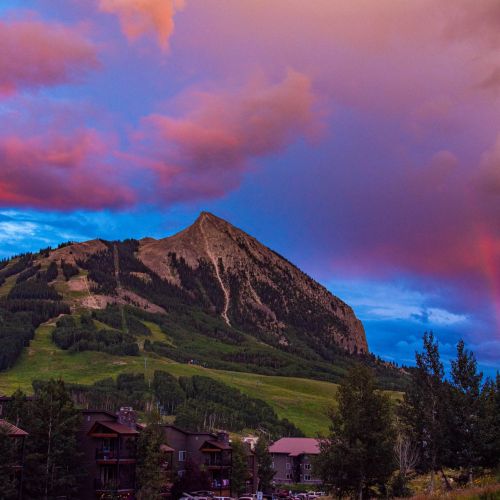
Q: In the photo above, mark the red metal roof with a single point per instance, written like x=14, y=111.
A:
x=11, y=429
x=295, y=446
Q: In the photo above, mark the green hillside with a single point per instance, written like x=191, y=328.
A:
x=303, y=402
x=119, y=307
x=104, y=329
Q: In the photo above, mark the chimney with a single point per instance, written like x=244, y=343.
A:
x=127, y=416
x=223, y=437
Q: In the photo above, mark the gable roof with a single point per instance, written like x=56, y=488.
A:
x=295, y=446
x=93, y=411
x=216, y=444
x=114, y=427
x=11, y=429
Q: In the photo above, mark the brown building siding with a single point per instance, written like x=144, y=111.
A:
x=109, y=455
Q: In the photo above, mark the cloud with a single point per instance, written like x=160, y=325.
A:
x=37, y=53
x=50, y=158
x=204, y=152
x=59, y=170
x=141, y=17
x=489, y=170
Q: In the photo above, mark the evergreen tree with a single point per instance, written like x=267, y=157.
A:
x=358, y=454
x=193, y=479
x=15, y=410
x=424, y=409
x=239, y=470
x=490, y=423
x=8, y=452
x=150, y=459
x=466, y=410
x=265, y=469
x=52, y=464
x=168, y=391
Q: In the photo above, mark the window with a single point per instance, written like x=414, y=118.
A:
x=182, y=456
x=289, y=476
x=288, y=465
x=307, y=466
x=307, y=477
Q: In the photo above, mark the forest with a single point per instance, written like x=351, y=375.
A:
x=445, y=431
x=29, y=303
x=198, y=403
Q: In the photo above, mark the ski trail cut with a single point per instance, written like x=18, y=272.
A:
x=91, y=296
x=116, y=260
x=217, y=273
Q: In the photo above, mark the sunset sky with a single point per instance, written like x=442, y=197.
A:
x=359, y=138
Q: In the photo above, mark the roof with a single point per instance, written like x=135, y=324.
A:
x=217, y=444
x=115, y=427
x=295, y=446
x=188, y=433
x=11, y=429
x=104, y=412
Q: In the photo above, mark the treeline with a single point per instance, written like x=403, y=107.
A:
x=118, y=335
x=52, y=464
x=37, y=287
x=211, y=405
x=30, y=302
x=18, y=322
x=375, y=447
x=198, y=403
x=76, y=335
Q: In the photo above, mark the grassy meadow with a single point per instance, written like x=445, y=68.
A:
x=304, y=402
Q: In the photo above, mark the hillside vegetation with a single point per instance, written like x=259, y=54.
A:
x=303, y=402
x=216, y=297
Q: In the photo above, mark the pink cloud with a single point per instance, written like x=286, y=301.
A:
x=59, y=171
x=205, y=152
x=50, y=158
x=489, y=170
x=37, y=53
x=141, y=17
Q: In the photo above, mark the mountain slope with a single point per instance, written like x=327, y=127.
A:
x=210, y=295
x=259, y=287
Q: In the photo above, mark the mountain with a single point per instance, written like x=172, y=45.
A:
x=256, y=287
x=210, y=295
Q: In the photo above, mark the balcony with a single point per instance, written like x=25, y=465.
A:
x=112, y=455
x=216, y=460
x=124, y=486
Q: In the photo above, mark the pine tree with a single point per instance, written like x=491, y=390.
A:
x=239, y=470
x=193, y=479
x=8, y=481
x=265, y=469
x=424, y=409
x=466, y=406
x=15, y=410
x=490, y=423
x=358, y=454
x=151, y=477
x=53, y=465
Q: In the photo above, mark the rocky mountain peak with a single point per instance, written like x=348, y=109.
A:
x=255, y=284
